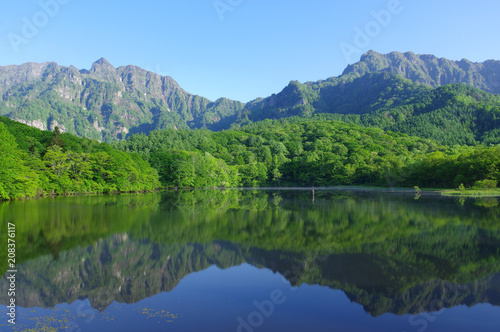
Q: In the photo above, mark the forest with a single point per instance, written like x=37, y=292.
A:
x=311, y=153
x=37, y=163
x=285, y=152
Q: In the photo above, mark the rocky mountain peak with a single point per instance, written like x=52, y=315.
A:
x=102, y=66
x=102, y=62
x=430, y=70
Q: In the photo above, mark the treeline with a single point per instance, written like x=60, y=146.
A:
x=310, y=153
x=37, y=163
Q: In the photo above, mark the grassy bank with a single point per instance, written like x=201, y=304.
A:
x=495, y=192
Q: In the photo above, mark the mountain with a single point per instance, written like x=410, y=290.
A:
x=430, y=70
x=108, y=103
x=420, y=95
x=104, y=103
x=450, y=114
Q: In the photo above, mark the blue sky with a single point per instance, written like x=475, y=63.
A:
x=243, y=49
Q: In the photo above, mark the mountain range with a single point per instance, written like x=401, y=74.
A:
x=430, y=70
x=104, y=102
x=395, y=91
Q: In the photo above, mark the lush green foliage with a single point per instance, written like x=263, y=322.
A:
x=304, y=152
x=190, y=169
x=467, y=167
x=35, y=163
x=291, y=150
x=452, y=114
x=17, y=179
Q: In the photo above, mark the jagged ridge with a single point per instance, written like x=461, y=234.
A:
x=108, y=103
x=104, y=102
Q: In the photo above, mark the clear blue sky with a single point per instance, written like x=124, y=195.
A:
x=243, y=49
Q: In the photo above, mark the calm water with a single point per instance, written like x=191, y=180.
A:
x=255, y=261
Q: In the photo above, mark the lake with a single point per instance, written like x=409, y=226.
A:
x=254, y=260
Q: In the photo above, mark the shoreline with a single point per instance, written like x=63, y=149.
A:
x=474, y=193
x=405, y=190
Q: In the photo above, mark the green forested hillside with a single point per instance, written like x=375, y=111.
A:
x=268, y=153
x=36, y=163
x=309, y=153
x=374, y=125
x=451, y=114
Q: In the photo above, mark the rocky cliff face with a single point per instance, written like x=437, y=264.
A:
x=430, y=70
x=104, y=102
x=108, y=103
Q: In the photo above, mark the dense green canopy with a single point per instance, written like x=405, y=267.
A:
x=36, y=162
x=304, y=152
x=295, y=151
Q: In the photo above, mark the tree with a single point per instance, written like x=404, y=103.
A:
x=56, y=139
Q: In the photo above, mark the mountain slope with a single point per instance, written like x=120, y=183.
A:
x=362, y=85
x=430, y=70
x=104, y=102
x=451, y=114
x=108, y=103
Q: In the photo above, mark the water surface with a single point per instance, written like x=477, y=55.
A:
x=263, y=260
